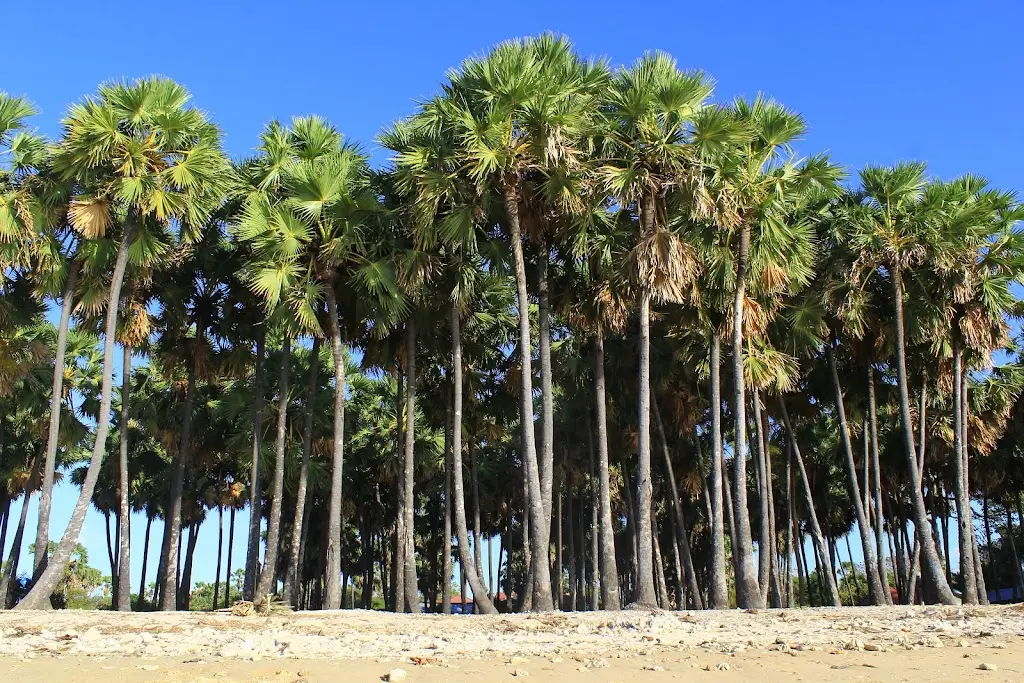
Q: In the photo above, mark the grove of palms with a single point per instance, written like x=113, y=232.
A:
x=591, y=315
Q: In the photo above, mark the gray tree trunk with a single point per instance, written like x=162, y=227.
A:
x=929, y=555
x=876, y=593
x=39, y=596
x=291, y=576
x=609, y=572
x=883, y=569
x=446, y=546
x=825, y=575
x=719, y=597
x=268, y=577
x=542, y=600
x=332, y=578
x=412, y=601
x=645, y=594
x=961, y=479
x=481, y=602
x=53, y=435
x=748, y=592
x=124, y=577
x=252, y=553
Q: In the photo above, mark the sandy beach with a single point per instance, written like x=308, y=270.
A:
x=862, y=644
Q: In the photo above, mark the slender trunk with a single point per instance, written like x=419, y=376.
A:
x=571, y=549
x=124, y=578
x=645, y=594
x=963, y=497
x=220, y=547
x=5, y=518
x=659, y=567
x=727, y=489
x=110, y=553
x=172, y=520
x=1018, y=573
x=719, y=597
x=681, y=603
x=748, y=592
x=332, y=589
x=475, y=495
x=231, y=548
x=547, y=419
x=853, y=570
x=39, y=596
x=412, y=602
x=542, y=600
x=883, y=570
x=481, y=602
x=145, y=560
x=11, y=568
x=609, y=572
x=825, y=575
x=764, y=544
x=290, y=591
x=268, y=577
x=595, y=505
x=446, y=564
x=53, y=435
x=677, y=510
x=876, y=593
x=252, y=553
x=930, y=560
x=185, y=589
x=774, y=590
x=789, y=529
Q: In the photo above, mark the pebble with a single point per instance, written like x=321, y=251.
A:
x=653, y=667
x=519, y=673
x=873, y=647
x=985, y=666
x=396, y=675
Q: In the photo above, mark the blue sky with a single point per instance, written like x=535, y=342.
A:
x=877, y=81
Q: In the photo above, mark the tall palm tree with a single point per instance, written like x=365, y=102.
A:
x=888, y=231
x=653, y=169
x=140, y=158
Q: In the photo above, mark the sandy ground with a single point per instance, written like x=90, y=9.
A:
x=862, y=644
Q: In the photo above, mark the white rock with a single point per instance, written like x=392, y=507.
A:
x=397, y=675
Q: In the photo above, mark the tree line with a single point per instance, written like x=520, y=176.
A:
x=590, y=313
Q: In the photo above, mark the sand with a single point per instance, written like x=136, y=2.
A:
x=856, y=644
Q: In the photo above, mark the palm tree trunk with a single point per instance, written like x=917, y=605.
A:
x=677, y=510
x=268, y=577
x=220, y=548
x=876, y=594
x=290, y=592
x=124, y=586
x=571, y=549
x=547, y=419
x=172, y=520
x=39, y=596
x=412, y=603
x=145, y=560
x=475, y=495
x=185, y=589
x=252, y=553
x=748, y=593
x=446, y=546
x=774, y=589
x=609, y=571
x=110, y=552
x=789, y=531
x=542, y=600
x=681, y=603
x=480, y=600
x=53, y=435
x=929, y=556
x=13, y=557
x=631, y=532
x=825, y=569
x=883, y=570
x=719, y=597
x=595, y=505
x=332, y=588
x=659, y=567
x=764, y=544
x=645, y=594
x=231, y=547
x=963, y=499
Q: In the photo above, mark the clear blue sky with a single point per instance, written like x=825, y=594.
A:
x=877, y=81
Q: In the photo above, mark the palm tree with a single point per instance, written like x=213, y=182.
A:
x=518, y=114
x=652, y=168
x=304, y=199
x=139, y=157
x=887, y=229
